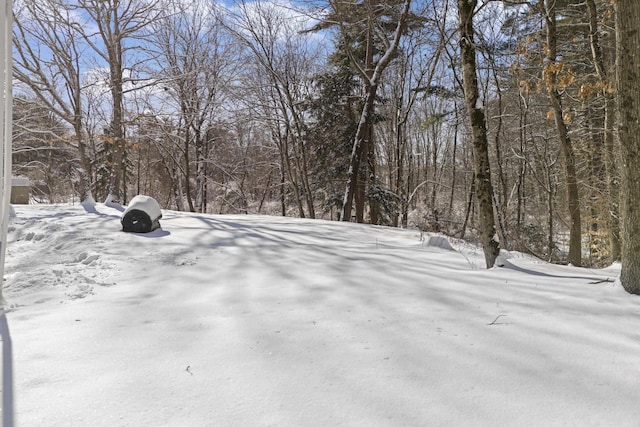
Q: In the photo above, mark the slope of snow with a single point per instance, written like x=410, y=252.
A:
x=255, y=320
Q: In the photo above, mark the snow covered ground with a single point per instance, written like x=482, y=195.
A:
x=271, y=321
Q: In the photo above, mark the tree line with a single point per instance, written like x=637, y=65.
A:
x=504, y=122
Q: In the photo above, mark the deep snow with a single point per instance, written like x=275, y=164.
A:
x=257, y=320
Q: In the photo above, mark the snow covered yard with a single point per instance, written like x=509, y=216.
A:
x=271, y=321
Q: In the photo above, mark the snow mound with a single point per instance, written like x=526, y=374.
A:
x=19, y=181
x=145, y=204
x=440, y=242
x=142, y=215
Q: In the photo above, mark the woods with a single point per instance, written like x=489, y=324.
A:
x=509, y=123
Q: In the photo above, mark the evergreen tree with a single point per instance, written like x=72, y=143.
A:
x=334, y=113
x=369, y=33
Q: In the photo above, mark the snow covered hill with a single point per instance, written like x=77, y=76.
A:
x=271, y=321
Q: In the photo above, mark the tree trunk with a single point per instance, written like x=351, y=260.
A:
x=551, y=192
x=522, y=167
x=628, y=88
x=356, y=155
x=551, y=79
x=176, y=182
x=84, y=170
x=115, y=181
x=283, y=185
x=467, y=213
x=399, y=152
x=284, y=142
x=613, y=177
x=201, y=154
x=613, y=182
x=453, y=160
x=484, y=189
x=187, y=169
x=296, y=130
x=501, y=196
x=113, y=45
x=374, y=214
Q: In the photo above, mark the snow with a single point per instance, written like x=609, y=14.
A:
x=257, y=320
x=146, y=204
x=89, y=202
x=19, y=181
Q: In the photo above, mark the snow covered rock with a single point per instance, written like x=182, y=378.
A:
x=142, y=215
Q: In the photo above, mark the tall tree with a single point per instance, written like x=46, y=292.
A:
x=605, y=87
x=331, y=130
x=370, y=71
x=484, y=188
x=118, y=23
x=407, y=92
x=552, y=72
x=279, y=58
x=628, y=92
x=54, y=78
x=193, y=60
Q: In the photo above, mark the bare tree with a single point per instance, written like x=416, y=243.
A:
x=281, y=61
x=410, y=81
x=54, y=77
x=196, y=64
x=117, y=41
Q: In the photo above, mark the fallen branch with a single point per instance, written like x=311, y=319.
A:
x=496, y=319
x=607, y=280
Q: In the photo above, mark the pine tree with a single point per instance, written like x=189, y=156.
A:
x=369, y=34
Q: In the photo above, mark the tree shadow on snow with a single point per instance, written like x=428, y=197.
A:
x=152, y=234
x=530, y=271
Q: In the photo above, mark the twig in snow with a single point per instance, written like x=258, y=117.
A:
x=607, y=280
x=189, y=369
x=496, y=319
